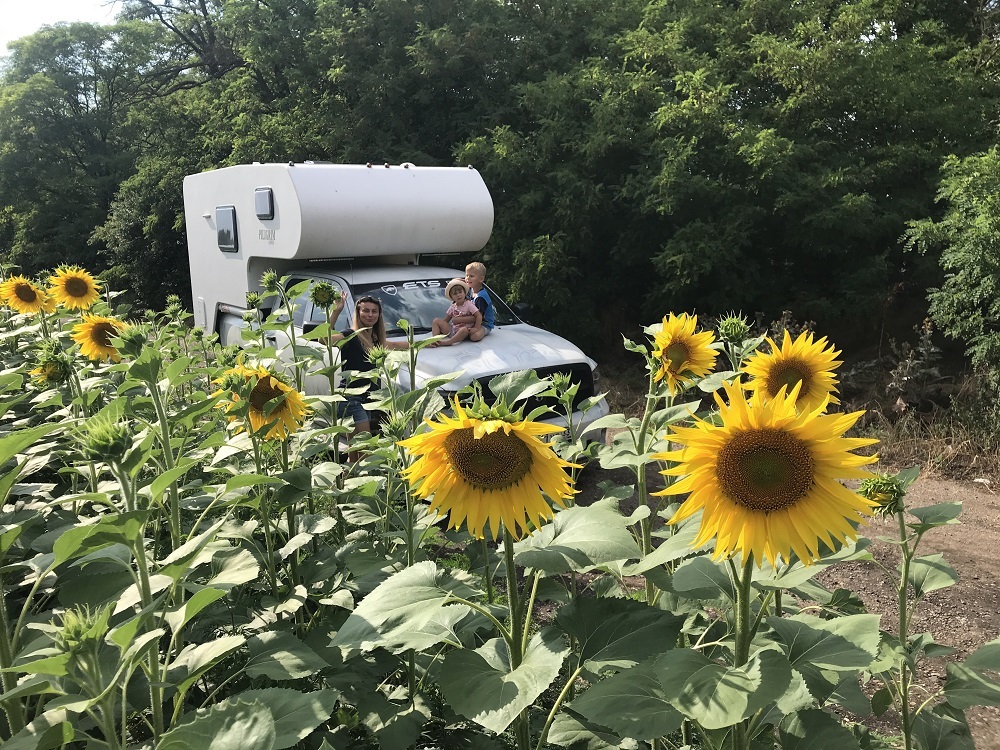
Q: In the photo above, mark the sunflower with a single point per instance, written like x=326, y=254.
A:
x=804, y=361
x=51, y=373
x=271, y=402
x=766, y=479
x=74, y=288
x=94, y=336
x=683, y=354
x=24, y=296
x=494, y=470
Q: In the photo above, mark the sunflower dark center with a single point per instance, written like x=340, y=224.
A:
x=76, y=287
x=101, y=334
x=676, y=355
x=765, y=470
x=789, y=373
x=262, y=393
x=25, y=293
x=493, y=462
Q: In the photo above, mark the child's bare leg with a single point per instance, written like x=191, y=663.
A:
x=440, y=327
x=460, y=334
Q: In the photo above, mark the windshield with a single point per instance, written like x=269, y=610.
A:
x=419, y=302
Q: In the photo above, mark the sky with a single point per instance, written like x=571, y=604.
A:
x=22, y=17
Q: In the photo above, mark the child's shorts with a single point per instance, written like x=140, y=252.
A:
x=354, y=408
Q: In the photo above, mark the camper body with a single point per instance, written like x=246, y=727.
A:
x=362, y=229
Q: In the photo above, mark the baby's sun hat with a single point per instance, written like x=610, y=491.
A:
x=452, y=284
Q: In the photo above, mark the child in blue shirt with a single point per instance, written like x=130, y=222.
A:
x=475, y=275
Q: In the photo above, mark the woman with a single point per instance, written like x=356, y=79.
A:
x=370, y=329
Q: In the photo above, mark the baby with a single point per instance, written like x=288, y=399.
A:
x=462, y=315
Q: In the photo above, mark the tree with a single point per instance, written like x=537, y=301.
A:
x=66, y=139
x=966, y=238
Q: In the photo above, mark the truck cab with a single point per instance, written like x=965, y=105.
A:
x=363, y=229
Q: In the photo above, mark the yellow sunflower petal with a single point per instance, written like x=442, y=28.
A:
x=487, y=472
x=74, y=288
x=24, y=296
x=804, y=361
x=767, y=478
x=683, y=354
x=94, y=336
x=272, y=403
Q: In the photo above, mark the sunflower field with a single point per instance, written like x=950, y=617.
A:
x=198, y=554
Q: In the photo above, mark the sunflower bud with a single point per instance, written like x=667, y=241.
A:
x=377, y=355
x=269, y=280
x=198, y=333
x=82, y=629
x=105, y=440
x=324, y=295
x=396, y=427
x=733, y=328
x=887, y=491
x=133, y=339
x=226, y=356
x=249, y=316
x=54, y=365
x=253, y=299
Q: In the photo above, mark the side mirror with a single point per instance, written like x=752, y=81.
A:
x=522, y=310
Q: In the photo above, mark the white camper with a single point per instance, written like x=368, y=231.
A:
x=246, y=219
x=362, y=228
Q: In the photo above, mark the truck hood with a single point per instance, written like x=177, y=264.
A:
x=515, y=347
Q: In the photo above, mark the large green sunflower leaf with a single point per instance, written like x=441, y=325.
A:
x=942, y=728
x=986, y=656
x=815, y=730
x=931, y=516
x=680, y=545
x=53, y=729
x=632, y=703
x=275, y=718
x=930, y=573
x=967, y=687
x=717, y=696
x=518, y=386
x=618, y=633
x=845, y=643
x=702, y=578
x=578, y=539
x=483, y=686
x=408, y=610
x=797, y=574
x=196, y=659
x=396, y=725
x=573, y=731
x=233, y=725
x=281, y=656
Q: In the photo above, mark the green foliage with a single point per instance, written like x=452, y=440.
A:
x=636, y=152
x=964, y=238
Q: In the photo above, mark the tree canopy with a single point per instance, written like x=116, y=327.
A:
x=643, y=156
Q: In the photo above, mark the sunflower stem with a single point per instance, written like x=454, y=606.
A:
x=743, y=636
x=515, y=643
x=14, y=709
x=646, y=524
x=168, y=461
x=904, y=672
x=487, y=572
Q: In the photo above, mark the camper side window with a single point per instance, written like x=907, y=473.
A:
x=225, y=224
